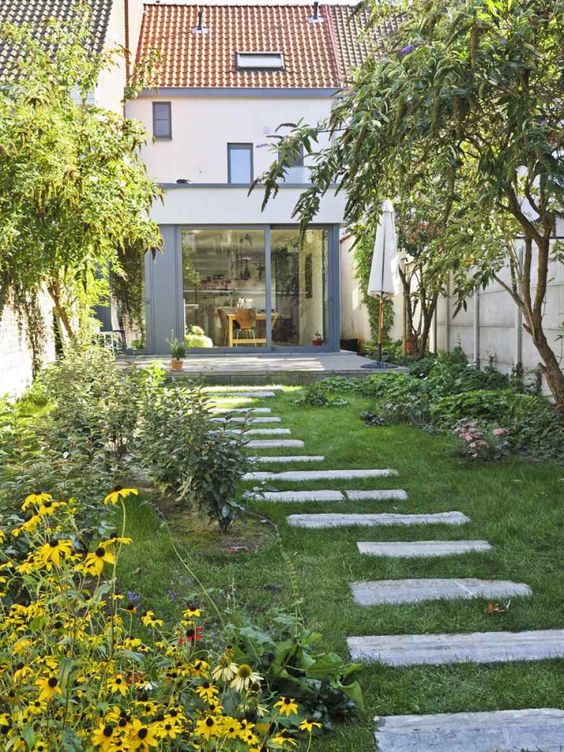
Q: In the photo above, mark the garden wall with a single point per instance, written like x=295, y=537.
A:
x=15, y=353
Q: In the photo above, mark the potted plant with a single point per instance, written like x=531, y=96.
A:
x=177, y=353
x=317, y=341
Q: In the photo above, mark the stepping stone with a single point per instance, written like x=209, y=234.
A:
x=273, y=444
x=497, y=731
x=295, y=496
x=250, y=410
x=252, y=421
x=304, y=476
x=421, y=549
x=416, y=590
x=290, y=458
x=375, y=520
x=242, y=395
x=269, y=431
x=237, y=389
x=382, y=495
x=477, y=647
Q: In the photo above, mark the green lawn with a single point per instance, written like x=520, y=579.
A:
x=516, y=506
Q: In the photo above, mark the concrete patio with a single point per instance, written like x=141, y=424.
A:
x=264, y=368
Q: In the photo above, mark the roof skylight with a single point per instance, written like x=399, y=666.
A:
x=267, y=61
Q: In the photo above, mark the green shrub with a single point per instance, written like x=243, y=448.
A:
x=188, y=454
x=329, y=392
x=479, y=404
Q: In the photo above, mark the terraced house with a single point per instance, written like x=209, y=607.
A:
x=229, y=77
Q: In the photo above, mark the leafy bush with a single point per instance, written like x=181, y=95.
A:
x=189, y=454
x=289, y=658
x=328, y=392
x=83, y=671
x=481, y=404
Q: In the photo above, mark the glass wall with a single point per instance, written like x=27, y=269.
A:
x=299, y=287
x=224, y=285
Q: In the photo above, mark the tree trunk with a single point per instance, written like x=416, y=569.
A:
x=551, y=368
x=55, y=293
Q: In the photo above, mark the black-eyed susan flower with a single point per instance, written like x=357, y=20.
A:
x=192, y=611
x=118, y=493
x=142, y=736
x=48, y=687
x=118, y=684
x=282, y=740
x=208, y=727
x=207, y=691
x=309, y=726
x=286, y=706
x=231, y=728
x=244, y=678
x=104, y=736
x=35, y=498
x=93, y=563
x=149, y=620
x=53, y=552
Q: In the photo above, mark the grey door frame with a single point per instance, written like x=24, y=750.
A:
x=332, y=292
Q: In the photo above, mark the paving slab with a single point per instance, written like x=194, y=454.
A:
x=392, y=494
x=274, y=444
x=305, y=476
x=287, y=458
x=295, y=496
x=377, y=592
x=476, y=647
x=249, y=410
x=421, y=549
x=497, y=731
x=375, y=520
x=269, y=431
x=251, y=421
x=241, y=395
x=248, y=388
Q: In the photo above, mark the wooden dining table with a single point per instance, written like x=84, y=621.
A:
x=232, y=317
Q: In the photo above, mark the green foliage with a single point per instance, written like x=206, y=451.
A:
x=291, y=660
x=192, y=457
x=327, y=392
x=74, y=194
x=177, y=348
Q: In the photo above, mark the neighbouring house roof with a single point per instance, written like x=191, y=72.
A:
x=316, y=55
x=36, y=12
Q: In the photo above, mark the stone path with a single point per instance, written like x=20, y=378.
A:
x=252, y=421
x=416, y=590
x=476, y=647
x=421, y=549
x=499, y=731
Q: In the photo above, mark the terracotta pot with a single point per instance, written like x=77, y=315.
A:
x=176, y=364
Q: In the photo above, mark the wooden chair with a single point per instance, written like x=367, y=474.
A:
x=246, y=318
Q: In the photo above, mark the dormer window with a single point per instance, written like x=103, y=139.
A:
x=262, y=61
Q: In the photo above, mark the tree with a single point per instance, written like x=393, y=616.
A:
x=467, y=94
x=74, y=195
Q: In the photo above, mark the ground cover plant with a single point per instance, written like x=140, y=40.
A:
x=442, y=392
x=514, y=505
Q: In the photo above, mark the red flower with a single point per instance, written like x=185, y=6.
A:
x=192, y=635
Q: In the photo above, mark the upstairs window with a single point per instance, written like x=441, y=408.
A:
x=265, y=61
x=162, y=126
x=240, y=164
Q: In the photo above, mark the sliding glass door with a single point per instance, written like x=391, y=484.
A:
x=299, y=288
x=255, y=287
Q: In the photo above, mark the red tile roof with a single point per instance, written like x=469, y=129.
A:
x=315, y=54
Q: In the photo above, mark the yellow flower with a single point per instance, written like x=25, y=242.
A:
x=119, y=493
x=104, y=736
x=308, y=726
x=94, y=562
x=142, y=736
x=53, y=552
x=192, y=612
x=207, y=691
x=225, y=670
x=35, y=498
x=287, y=706
x=208, y=727
x=118, y=684
x=245, y=678
x=148, y=619
x=282, y=740
x=49, y=687
x=231, y=728
x=168, y=728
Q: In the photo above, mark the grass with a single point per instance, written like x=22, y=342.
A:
x=516, y=506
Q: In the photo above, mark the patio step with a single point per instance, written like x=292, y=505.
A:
x=267, y=431
x=326, y=495
x=294, y=496
x=274, y=444
x=286, y=458
x=476, y=647
x=305, y=476
x=375, y=520
x=421, y=549
x=249, y=388
x=496, y=731
x=378, y=592
x=394, y=494
x=249, y=410
x=251, y=421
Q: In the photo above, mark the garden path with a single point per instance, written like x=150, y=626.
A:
x=496, y=731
